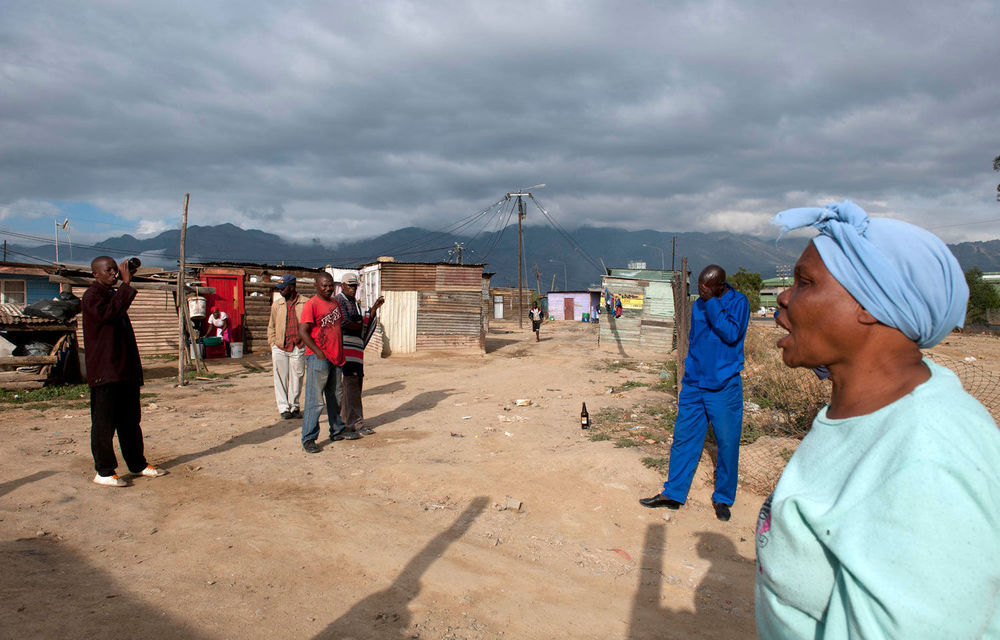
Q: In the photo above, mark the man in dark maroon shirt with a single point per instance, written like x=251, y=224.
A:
x=114, y=373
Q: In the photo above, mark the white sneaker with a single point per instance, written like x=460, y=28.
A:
x=109, y=481
x=152, y=472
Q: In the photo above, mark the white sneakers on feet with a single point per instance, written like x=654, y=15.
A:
x=109, y=481
x=152, y=472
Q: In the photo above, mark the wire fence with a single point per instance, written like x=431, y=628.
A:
x=780, y=404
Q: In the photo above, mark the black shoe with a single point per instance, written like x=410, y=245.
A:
x=660, y=500
x=721, y=511
x=366, y=431
x=310, y=446
x=345, y=434
x=287, y=415
x=296, y=413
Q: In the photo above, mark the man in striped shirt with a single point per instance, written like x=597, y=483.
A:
x=352, y=329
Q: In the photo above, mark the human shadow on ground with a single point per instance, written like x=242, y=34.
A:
x=389, y=387
x=385, y=614
x=416, y=404
x=50, y=591
x=10, y=485
x=259, y=435
x=720, y=602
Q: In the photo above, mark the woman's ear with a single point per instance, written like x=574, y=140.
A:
x=864, y=317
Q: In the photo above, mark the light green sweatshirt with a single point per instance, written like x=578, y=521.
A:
x=887, y=525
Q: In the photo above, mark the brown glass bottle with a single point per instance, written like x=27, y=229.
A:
x=584, y=417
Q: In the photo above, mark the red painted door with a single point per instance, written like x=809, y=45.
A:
x=228, y=297
x=568, y=309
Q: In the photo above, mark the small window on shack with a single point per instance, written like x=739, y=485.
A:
x=13, y=291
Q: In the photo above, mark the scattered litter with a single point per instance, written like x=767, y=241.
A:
x=504, y=418
x=610, y=390
x=512, y=504
x=637, y=427
x=664, y=375
x=752, y=407
x=508, y=434
x=523, y=402
x=970, y=359
x=456, y=435
x=666, y=516
x=460, y=404
x=466, y=417
x=650, y=441
x=627, y=557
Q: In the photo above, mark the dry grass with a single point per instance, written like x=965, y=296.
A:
x=781, y=402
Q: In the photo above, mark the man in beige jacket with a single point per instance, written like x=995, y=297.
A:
x=287, y=351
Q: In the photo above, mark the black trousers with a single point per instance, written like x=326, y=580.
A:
x=115, y=408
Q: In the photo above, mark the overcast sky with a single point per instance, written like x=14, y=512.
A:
x=342, y=120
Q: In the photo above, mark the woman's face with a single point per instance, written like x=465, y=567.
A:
x=821, y=317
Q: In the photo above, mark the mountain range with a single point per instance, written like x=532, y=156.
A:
x=564, y=260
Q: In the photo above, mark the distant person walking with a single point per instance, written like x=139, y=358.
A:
x=288, y=353
x=535, y=314
x=354, y=328
x=319, y=328
x=711, y=391
x=114, y=373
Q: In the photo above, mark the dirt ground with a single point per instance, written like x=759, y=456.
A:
x=414, y=532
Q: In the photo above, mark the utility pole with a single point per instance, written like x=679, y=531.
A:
x=673, y=251
x=520, y=249
x=538, y=275
x=552, y=287
x=181, y=301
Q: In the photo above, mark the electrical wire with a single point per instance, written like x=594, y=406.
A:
x=566, y=236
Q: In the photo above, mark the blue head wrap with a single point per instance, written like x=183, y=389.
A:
x=901, y=274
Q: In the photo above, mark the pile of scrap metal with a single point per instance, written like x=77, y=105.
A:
x=38, y=343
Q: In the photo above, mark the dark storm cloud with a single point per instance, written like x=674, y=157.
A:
x=352, y=119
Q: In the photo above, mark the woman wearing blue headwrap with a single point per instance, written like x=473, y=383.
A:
x=886, y=521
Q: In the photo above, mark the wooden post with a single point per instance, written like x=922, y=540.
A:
x=181, y=300
x=682, y=320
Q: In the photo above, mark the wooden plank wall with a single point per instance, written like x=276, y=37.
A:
x=154, y=320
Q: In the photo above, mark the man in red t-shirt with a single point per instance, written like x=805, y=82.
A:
x=319, y=328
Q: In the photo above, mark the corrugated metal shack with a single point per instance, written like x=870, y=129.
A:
x=505, y=307
x=647, y=320
x=428, y=307
x=258, y=292
x=154, y=320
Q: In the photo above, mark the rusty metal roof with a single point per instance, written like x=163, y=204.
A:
x=12, y=317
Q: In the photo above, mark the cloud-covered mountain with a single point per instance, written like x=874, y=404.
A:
x=566, y=261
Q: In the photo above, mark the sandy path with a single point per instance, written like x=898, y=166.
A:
x=397, y=535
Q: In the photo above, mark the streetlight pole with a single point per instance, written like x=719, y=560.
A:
x=661, y=253
x=565, y=279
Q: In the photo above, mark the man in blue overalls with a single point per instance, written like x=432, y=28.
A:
x=711, y=391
